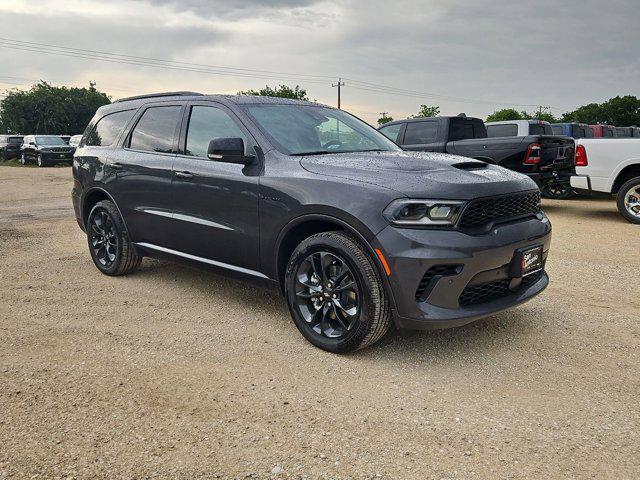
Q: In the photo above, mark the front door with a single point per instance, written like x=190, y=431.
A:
x=215, y=203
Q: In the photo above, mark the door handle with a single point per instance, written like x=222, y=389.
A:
x=116, y=165
x=184, y=174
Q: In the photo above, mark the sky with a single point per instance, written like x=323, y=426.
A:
x=472, y=56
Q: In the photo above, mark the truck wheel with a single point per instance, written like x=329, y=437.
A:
x=628, y=200
x=40, y=161
x=557, y=191
x=335, y=293
x=109, y=244
x=23, y=159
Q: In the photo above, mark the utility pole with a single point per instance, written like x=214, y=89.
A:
x=540, y=109
x=339, y=84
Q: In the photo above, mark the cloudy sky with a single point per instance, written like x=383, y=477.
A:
x=470, y=56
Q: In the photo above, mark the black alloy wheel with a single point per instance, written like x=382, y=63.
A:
x=335, y=293
x=557, y=191
x=109, y=244
x=327, y=294
x=103, y=238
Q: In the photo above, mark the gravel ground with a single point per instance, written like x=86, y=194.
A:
x=179, y=373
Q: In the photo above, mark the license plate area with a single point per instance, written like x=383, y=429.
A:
x=526, y=261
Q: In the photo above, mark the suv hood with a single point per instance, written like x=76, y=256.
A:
x=421, y=174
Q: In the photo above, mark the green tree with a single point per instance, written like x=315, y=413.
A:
x=50, y=110
x=621, y=111
x=385, y=119
x=427, y=111
x=504, y=115
x=284, y=91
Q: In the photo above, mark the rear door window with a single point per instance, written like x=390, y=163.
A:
x=557, y=129
x=156, y=129
x=507, y=130
x=418, y=133
x=391, y=131
x=464, y=129
x=108, y=128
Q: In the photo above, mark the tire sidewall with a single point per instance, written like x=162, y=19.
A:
x=107, y=207
x=620, y=199
x=354, y=337
x=23, y=159
x=40, y=161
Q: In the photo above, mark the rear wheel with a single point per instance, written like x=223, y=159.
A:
x=628, y=200
x=109, y=244
x=335, y=293
x=557, y=191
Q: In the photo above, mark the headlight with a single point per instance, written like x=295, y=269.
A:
x=423, y=212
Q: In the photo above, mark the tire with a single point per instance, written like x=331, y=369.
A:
x=358, y=289
x=120, y=257
x=557, y=191
x=23, y=159
x=628, y=200
x=40, y=161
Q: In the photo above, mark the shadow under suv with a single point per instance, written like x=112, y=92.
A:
x=356, y=232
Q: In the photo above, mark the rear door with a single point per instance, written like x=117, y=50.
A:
x=139, y=174
x=215, y=203
x=423, y=136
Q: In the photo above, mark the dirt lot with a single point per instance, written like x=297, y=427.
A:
x=179, y=373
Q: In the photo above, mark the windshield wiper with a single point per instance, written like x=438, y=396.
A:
x=316, y=152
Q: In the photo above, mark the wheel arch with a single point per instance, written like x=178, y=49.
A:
x=306, y=225
x=93, y=196
x=626, y=174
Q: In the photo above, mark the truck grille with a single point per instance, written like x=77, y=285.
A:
x=60, y=149
x=485, y=211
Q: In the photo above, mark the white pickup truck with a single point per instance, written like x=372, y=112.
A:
x=610, y=166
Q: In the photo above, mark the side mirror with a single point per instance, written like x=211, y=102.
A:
x=230, y=150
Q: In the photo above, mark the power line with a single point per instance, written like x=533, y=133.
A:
x=135, y=60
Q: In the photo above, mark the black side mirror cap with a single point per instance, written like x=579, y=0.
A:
x=229, y=150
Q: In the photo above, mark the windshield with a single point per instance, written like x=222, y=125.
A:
x=307, y=129
x=15, y=140
x=46, y=140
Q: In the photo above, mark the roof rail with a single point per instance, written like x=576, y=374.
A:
x=155, y=95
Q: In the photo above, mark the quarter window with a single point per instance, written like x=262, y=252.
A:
x=108, y=128
x=418, y=133
x=206, y=124
x=156, y=129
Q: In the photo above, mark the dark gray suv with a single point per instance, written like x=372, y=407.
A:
x=355, y=232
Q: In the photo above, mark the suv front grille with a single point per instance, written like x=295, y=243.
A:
x=485, y=211
x=425, y=286
x=60, y=149
x=487, y=292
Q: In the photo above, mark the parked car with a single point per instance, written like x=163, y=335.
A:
x=74, y=141
x=518, y=128
x=354, y=231
x=10, y=146
x=610, y=167
x=604, y=131
x=45, y=150
x=624, y=132
x=573, y=130
x=546, y=159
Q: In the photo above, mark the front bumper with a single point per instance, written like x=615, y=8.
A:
x=481, y=260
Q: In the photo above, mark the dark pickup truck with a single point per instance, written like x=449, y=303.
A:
x=547, y=159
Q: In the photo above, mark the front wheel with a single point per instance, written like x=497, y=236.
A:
x=628, y=200
x=40, y=161
x=335, y=293
x=557, y=191
x=109, y=244
x=23, y=159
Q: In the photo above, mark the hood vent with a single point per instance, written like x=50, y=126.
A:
x=470, y=165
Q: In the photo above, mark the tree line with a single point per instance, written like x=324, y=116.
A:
x=46, y=109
